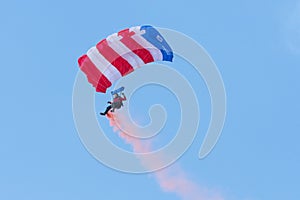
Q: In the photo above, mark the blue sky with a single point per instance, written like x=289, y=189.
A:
x=255, y=44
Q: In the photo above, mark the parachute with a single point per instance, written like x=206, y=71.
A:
x=121, y=53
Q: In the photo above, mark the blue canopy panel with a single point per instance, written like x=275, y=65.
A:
x=156, y=39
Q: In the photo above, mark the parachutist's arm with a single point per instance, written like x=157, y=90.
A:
x=124, y=97
x=109, y=102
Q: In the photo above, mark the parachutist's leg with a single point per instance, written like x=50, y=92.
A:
x=106, y=111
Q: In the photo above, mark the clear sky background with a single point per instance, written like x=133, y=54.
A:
x=255, y=44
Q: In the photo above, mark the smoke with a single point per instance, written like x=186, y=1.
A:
x=171, y=179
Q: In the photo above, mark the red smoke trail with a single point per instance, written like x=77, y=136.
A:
x=171, y=179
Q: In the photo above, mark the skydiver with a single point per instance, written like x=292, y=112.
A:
x=117, y=103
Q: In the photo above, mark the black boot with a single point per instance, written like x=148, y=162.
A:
x=106, y=111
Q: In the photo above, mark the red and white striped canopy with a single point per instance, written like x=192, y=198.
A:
x=121, y=53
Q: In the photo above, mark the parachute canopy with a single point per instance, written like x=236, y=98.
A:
x=121, y=53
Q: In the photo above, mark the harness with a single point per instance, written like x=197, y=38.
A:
x=117, y=104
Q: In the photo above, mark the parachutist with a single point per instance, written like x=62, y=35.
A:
x=117, y=103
